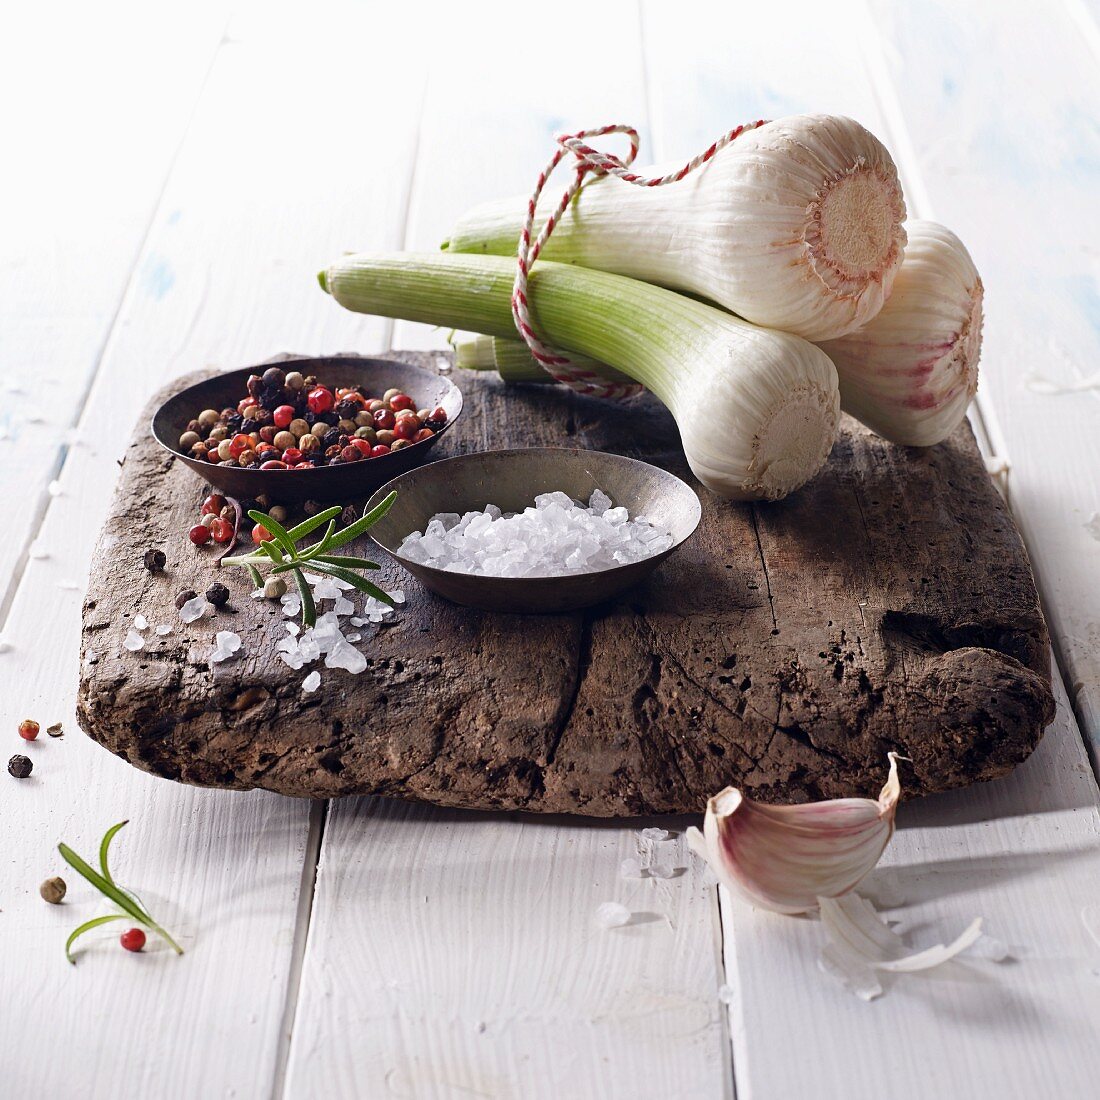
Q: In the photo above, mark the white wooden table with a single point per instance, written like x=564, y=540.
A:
x=171, y=180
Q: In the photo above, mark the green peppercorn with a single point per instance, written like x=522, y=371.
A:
x=188, y=440
x=274, y=588
x=208, y=418
x=154, y=560
x=53, y=890
x=278, y=513
x=218, y=594
x=365, y=433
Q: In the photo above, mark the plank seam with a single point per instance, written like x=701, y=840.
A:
x=307, y=892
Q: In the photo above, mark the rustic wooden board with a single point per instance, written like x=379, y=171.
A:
x=786, y=648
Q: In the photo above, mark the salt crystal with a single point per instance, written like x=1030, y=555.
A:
x=354, y=637
x=347, y=657
x=194, y=609
x=226, y=643
x=133, y=641
x=140, y=622
x=397, y=596
x=164, y=629
x=343, y=606
x=631, y=868
x=612, y=915
x=726, y=994
x=257, y=593
x=54, y=488
x=293, y=629
x=661, y=870
x=312, y=682
x=91, y=656
x=358, y=622
x=556, y=536
x=654, y=834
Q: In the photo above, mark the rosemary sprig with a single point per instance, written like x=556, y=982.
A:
x=283, y=555
x=106, y=885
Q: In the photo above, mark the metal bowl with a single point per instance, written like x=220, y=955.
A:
x=344, y=482
x=511, y=479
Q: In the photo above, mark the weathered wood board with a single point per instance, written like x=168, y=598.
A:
x=786, y=648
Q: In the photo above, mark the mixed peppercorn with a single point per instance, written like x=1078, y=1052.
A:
x=289, y=421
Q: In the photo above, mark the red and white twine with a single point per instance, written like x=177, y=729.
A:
x=556, y=364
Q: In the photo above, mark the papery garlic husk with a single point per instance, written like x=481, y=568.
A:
x=796, y=226
x=784, y=858
x=910, y=373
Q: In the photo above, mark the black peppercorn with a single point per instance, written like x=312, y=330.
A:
x=218, y=594
x=346, y=410
x=331, y=439
x=154, y=560
x=311, y=507
x=274, y=378
x=20, y=767
x=184, y=596
x=349, y=515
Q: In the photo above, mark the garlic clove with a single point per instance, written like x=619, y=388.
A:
x=784, y=858
x=910, y=373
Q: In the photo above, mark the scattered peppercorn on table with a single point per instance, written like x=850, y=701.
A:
x=376, y=946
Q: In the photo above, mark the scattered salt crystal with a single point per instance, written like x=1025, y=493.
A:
x=293, y=629
x=356, y=621
x=140, y=622
x=612, y=915
x=343, y=606
x=91, y=656
x=257, y=593
x=397, y=596
x=631, y=868
x=354, y=637
x=557, y=536
x=194, y=609
x=312, y=682
x=661, y=870
x=226, y=643
x=346, y=656
x=164, y=629
x=54, y=488
x=133, y=641
x=654, y=834
x=726, y=994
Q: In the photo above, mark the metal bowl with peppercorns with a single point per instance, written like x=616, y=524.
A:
x=327, y=399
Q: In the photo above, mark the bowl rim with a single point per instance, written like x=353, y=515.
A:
x=555, y=578
x=452, y=391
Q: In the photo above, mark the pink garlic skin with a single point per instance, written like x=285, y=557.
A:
x=784, y=858
x=911, y=372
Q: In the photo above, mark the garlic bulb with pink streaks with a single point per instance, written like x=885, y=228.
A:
x=910, y=373
x=784, y=858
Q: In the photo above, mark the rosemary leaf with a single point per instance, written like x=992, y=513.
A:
x=365, y=522
x=104, y=844
x=310, y=525
x=87, y=926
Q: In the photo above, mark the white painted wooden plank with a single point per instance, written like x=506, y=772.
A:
x=96, y=102
x=266, y=189
x=490, y=120
x=455, y=954
x=1024, y=852
x=1013, y=164
x=460, y=949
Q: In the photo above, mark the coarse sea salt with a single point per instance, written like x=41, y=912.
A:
x=312, y=682
x=226, y=643
x=141, y=622
x=556, y=536
x=654, y=834
x=612, y=915
x=194, y=609
x=133, y=641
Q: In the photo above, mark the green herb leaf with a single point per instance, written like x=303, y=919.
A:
x=310, y=525
x=105, y=887
x=104, y=844
x=349, y=563
x=355, y=580
x=309, y=608
x=365, y=522
x=324, y=544
x=272, y=552
x=87, y=926
x=256, y=575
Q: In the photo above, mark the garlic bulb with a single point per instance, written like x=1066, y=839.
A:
x=910, y=373
x=757, y=409
x=784, y=858
x=796, y=225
